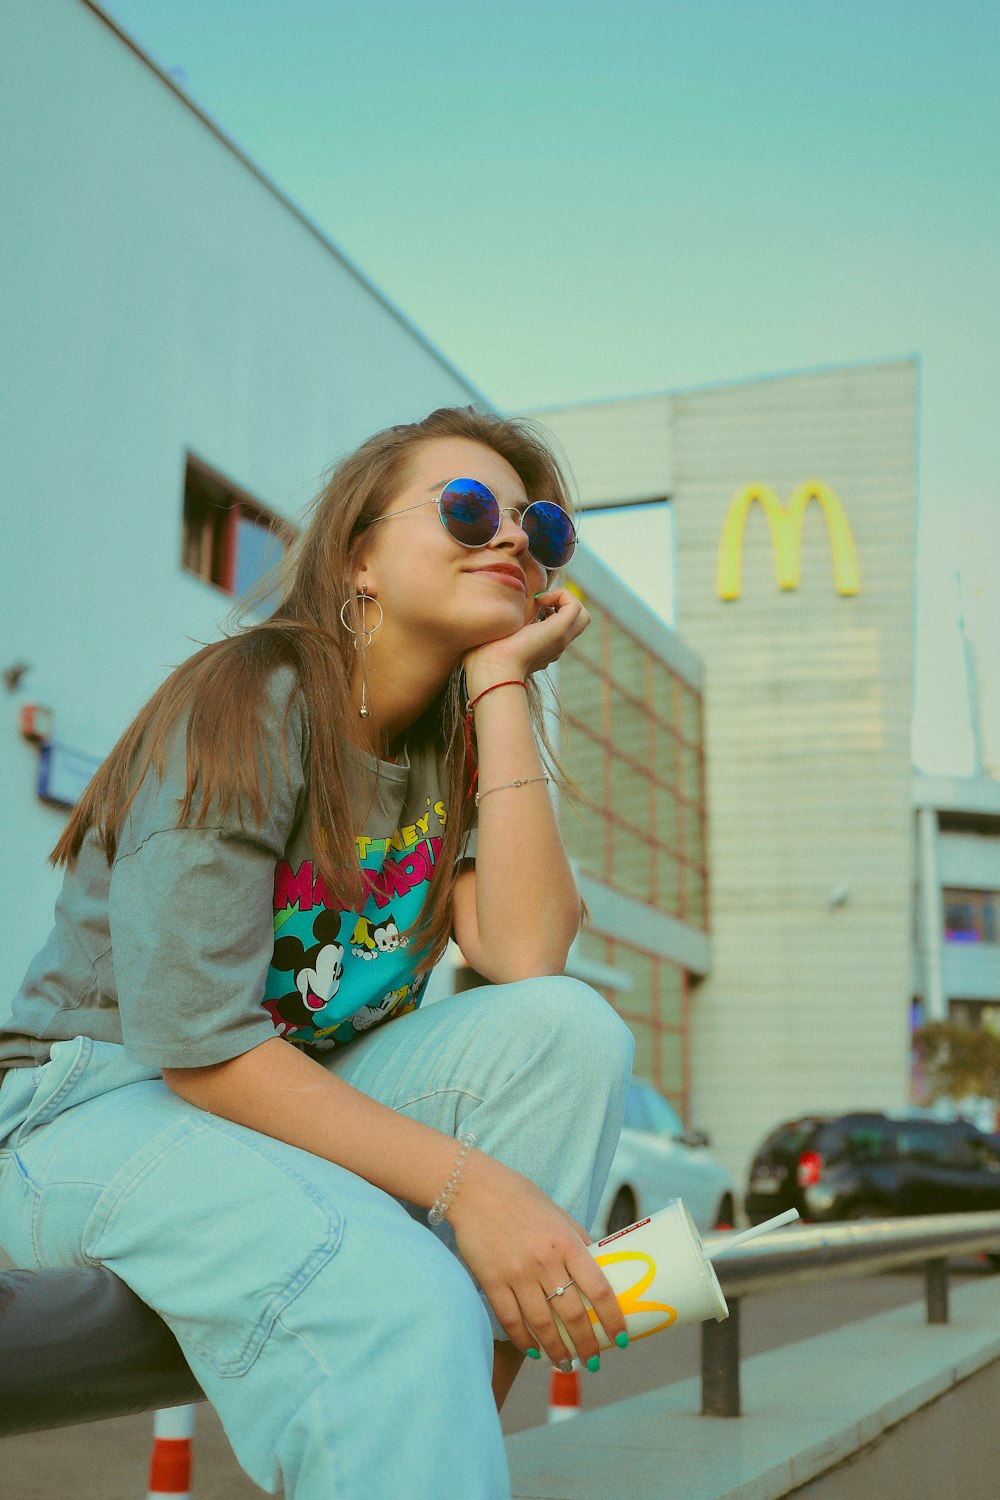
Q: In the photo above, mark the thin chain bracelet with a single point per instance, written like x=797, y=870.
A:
x=443, y=1200
x=474, y=771
x=505, y=786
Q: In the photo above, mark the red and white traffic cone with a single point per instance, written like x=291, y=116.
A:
x=170, y=1460
x=564, y=1394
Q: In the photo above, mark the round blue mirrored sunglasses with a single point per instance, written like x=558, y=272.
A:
x=471, y=514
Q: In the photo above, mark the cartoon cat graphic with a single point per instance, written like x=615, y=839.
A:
x=369, y=938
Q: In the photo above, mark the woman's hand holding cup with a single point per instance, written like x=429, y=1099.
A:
x=520, y=1246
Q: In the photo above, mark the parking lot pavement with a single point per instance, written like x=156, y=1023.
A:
x=110, y=1461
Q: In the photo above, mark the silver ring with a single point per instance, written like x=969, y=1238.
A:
x=559, y=1291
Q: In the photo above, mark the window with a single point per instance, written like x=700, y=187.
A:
x=228, y=539
x=927, y=1145
x=857, y=1140
x=971, y=916
x=655, y=1009
x=634, y=748
x=662, y=1118
x=645, y=1109
x=790, y=1139
x=863, y=1145
x=636, y=1117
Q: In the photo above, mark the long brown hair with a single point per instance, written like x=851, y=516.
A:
x=221, y=688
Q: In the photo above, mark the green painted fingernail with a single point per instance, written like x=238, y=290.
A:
x=540, y=593
x=595, y=1363
x=622, y=1340
x=533, y=1353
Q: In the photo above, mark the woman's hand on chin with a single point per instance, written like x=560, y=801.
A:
x=532, y=648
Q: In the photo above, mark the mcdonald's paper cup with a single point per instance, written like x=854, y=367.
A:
x=660, y=1273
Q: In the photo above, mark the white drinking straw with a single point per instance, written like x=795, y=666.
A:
x=751, y=1234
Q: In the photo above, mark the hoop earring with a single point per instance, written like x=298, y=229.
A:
x=362, y=640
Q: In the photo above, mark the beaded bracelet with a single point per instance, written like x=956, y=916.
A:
x=443, y=1200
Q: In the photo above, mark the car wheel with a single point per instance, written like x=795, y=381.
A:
x=725, y=1214
x=623, y=1211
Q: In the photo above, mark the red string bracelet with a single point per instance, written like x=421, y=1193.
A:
x=474, y=774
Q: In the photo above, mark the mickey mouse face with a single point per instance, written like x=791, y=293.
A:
x=289, y=954
x=316, y=972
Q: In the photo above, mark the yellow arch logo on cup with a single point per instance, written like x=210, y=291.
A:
x=628, y=1298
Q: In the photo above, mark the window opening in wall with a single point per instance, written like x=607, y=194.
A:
x=634, y=750
x=971, y=916
x=656, y=1010
x=229, y=540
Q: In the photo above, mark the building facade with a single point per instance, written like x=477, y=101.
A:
x=794, y=501
x=957, y=882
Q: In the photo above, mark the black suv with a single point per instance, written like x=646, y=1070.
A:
x=862, y=1166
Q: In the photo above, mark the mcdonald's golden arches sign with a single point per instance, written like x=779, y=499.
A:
x=785, y=523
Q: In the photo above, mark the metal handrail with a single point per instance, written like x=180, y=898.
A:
x=816, y=1252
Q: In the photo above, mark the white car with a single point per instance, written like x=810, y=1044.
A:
x=656, y=1160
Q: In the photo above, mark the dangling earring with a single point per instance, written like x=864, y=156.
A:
x=362, y=639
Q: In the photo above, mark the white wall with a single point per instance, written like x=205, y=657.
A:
x=808, y=709
x=969, y=861
x=157, y=296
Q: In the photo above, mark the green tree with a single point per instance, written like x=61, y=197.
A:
x=959, y=1060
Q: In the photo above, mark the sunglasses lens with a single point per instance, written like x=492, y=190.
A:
x=550, y=532
x=470, y=512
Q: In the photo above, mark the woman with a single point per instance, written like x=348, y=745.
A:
x=218, y=1082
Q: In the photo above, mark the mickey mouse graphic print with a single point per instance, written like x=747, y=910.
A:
x=337, y=973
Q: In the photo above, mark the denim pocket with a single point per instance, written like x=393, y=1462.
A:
x=57, y=1140
x=17, y=1088
x=219, y=1229
x=53, y=1081
x=32, y=1097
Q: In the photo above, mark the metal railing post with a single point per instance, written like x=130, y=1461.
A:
x=936, y=1290
x=720, y=1365
x=816, y=1252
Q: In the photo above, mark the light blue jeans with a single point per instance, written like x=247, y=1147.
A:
x=347, y=1352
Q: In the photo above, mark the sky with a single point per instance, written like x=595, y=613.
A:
x=583, y=200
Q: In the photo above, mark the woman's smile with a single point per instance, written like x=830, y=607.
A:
x=506, y=573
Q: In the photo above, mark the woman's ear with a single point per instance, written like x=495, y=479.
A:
x=364, y=583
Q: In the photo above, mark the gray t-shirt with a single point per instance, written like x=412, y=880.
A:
x=199, y=944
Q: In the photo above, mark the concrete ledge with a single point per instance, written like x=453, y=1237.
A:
x=807, y=1407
